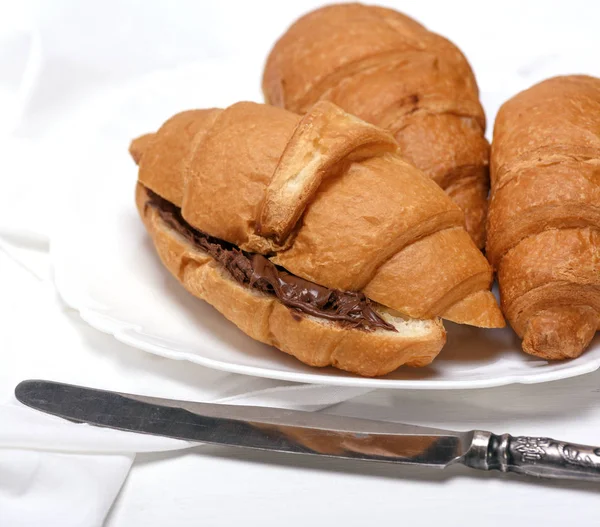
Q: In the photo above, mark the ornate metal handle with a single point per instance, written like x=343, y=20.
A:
x=534, y=456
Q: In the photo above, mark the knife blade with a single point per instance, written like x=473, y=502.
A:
x=319, y=434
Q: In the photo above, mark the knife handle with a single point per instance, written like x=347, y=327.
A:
x=533, y=456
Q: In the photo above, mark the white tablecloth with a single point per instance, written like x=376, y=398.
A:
x=84, y=48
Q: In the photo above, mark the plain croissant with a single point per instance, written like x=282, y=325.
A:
x=544, y=221
x=389, y=70
x=326, y=198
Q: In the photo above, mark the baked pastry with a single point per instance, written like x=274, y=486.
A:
x=544, y=217
x=311, y=234
x=387, y=69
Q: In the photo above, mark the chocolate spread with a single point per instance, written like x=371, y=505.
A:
x=254, y=270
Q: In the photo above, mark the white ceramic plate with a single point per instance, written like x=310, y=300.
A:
x=106, y=267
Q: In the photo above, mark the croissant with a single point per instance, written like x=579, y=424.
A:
x=322, y=205
x=389, y=70
x=544, y=216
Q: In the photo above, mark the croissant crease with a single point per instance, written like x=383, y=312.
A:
x=389, y=70
x=327, y=198
x=544, y=220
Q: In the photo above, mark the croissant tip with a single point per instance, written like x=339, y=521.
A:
x=138, y=147
x=560, y=333
x=478, y=309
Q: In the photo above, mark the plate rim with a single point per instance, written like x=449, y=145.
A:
x=126, y=332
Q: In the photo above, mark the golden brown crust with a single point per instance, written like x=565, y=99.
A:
x=360, y=222
x=264, y=318
x=138, y=146
x=231, y=168
x=389, y=70
x=459, y=293
x=165, y=153
x=323, y=138
x=561, y=332
x=369, y=227
x=544, y=216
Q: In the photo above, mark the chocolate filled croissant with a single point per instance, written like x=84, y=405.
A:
x=543, y=232
x=389, y=70
x=311, y=234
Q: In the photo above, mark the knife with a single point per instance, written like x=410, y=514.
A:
x=310, y=433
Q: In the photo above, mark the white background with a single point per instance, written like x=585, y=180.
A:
x=91, y=46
